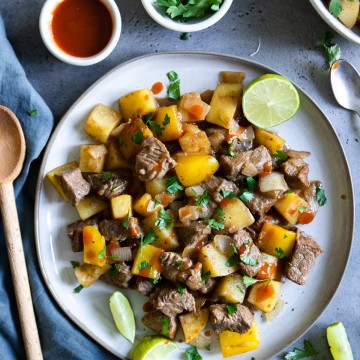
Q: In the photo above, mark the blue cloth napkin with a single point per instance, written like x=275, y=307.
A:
x=60, y=337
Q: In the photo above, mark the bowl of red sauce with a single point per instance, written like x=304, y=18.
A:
x=80, y=32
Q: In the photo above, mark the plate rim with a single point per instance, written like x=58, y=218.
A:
x=64, y=118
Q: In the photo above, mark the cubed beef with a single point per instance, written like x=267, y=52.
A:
x=169, y=300
x=231, y=167
x=251, y=260
x=143, y=285
x=239, y=321
x=74, y=185
x=161, y=323
x=197, y=282
x=153, y=161
x=304, y=254
x=113, y=230
x=296, y=172
x=196, y=232
x=310, y=196
x=135, y=230
x=215, y=184
x=75, y=233
x=175, y=267
x=261, y=203
x=217, y=137
x=119, y=275
x=109, y=184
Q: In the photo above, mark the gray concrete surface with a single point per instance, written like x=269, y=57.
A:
x=289, y=31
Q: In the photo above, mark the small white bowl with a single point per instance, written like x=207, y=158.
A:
x=193, y=24
x=323, y=11
x=48, y=39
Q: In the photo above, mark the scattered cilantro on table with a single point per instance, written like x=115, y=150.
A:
x=192, y=354
x=297, y=353
x=332, y=50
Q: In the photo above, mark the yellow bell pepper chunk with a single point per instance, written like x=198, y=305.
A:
x=233, y=343
x=94, y=246
x=147, y=262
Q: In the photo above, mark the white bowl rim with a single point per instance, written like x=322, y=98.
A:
x=185, y=27
x=334, y=22
x=46, y=35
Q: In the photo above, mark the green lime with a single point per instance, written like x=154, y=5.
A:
x=153, y=348
x=123, y=315
x=338, y=342
x=270, y=100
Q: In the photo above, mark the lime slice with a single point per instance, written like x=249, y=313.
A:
x=270, y=100
x=123, y=315
x=153, y=348
x=338, y=342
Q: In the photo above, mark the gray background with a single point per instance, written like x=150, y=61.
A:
x=289, y=31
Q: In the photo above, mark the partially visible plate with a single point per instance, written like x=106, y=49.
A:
x=307, y=130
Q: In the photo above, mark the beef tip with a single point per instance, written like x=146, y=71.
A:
x=310, y=196
x=239, y=321
x=109, y=184
x=170, y=301
x=119, y=275
x=296, y=172
x=158, y=322
x=196, y=232
x=217, y=137
x=271, y=217
x=143, y=285
x=75, y=233
x=74, y=185
x=175, y=267
x=135, y=229
x=113, y=230
x=196, y=282
x=231, y=167
x=305, y=252
x=215, y=184
x=153, y=161
x=251, y=260
x=261, y=203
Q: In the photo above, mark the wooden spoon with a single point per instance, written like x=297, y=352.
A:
x=12, y=150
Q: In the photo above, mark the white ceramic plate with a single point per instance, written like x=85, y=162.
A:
x=308, y=130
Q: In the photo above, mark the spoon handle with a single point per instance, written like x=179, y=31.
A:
x=19, y=272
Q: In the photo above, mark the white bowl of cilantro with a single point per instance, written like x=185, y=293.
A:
x=343, y=16
x=186, y=15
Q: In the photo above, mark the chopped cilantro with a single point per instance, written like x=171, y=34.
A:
x=179, y=264
x=280, y=253
x=233, y=260
x=226, y=193
x=206, y=276
x=249, y=281
x=102, y=253
x=125, y=223
x=155, y=127
x=74, y=264
x=248, y=259
x=78, y=289
x=165, y=220
x=251, y=183
x=297, y=353
x=173, y=185
x=143, y=265
x=138, y=137
x=233, y=249
x=207, y=347
x=149, y=237
x=246, y=196
x=230, y=153
x=217, y=225
x=335, y=7
x=106, y=175
x=201, y=200
x=320, y=196
x=173, y=90
x=184, y=36
x=32, y=112
x=332, y=50
x=181, y=289
x=302, y=209
x=281, y=155
x=114, y=270
x=164, y=322
x=231, y=309
x=166, y=120
x=172, y=76
x=288, y=191
x=240, y=288
x=192, y=354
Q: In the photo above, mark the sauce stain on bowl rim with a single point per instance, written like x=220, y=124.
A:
x=58, y=43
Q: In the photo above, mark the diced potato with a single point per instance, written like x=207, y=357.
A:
x=224, y=104
x=87, y=274
x=272, y=268
x=195, y=143
x=51, y=176
x=114, y=159
x=101, y=122
x=144, y=205
x=131, y=137
x=233, y=343
x=121, y=206
x=273, y=181
x=194, y=323
x=193, y=104
x=137, y=103
x=94, y=246
x=166, y=236
x=293, y=208
x=90, y=205
x=274, y=237
x=231, y=288
x=235, y=77
x=215, y=261
x=194, y=169
x=264, y=295
x=92, y=158
x=236, y=214
x=147, y=262
x=349, y=13
x=191, y=128
x=269, y=139
x=154, y=187
x=169, y=120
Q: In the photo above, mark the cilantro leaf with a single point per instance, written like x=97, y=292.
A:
x=74, y=264
x=231, y=309
x=172, y=76
x=251, y=183
x=166, y=120
x=297, y=353
x=215, y=224
x=173, y=185
x=102, y=253
x=206, y=276
x=332, y=51
x=192, y=354
x=164, y=220
x=233, y=260
x=149, y=237
x=155, y=127
x=32, y=112
x=106, y=175
x=280, y=253
x=335, y=7
x=114, y=270
x=138, y=137
x=248, y=259
x=226, y=193
x=78, y=289
x=143, y=265
x=246, y=196
x=125, y=223
x=164, y=322
x=181, y=289
x=302, y=209
x=201, y=200
x=184, y=36
x=173, y=90
x=320, y=196
x=281, y=155
x=249, y=281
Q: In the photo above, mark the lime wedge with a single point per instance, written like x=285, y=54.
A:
x=153, y=348
x=270, y=100
x=123, y=315
x=338, y=342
